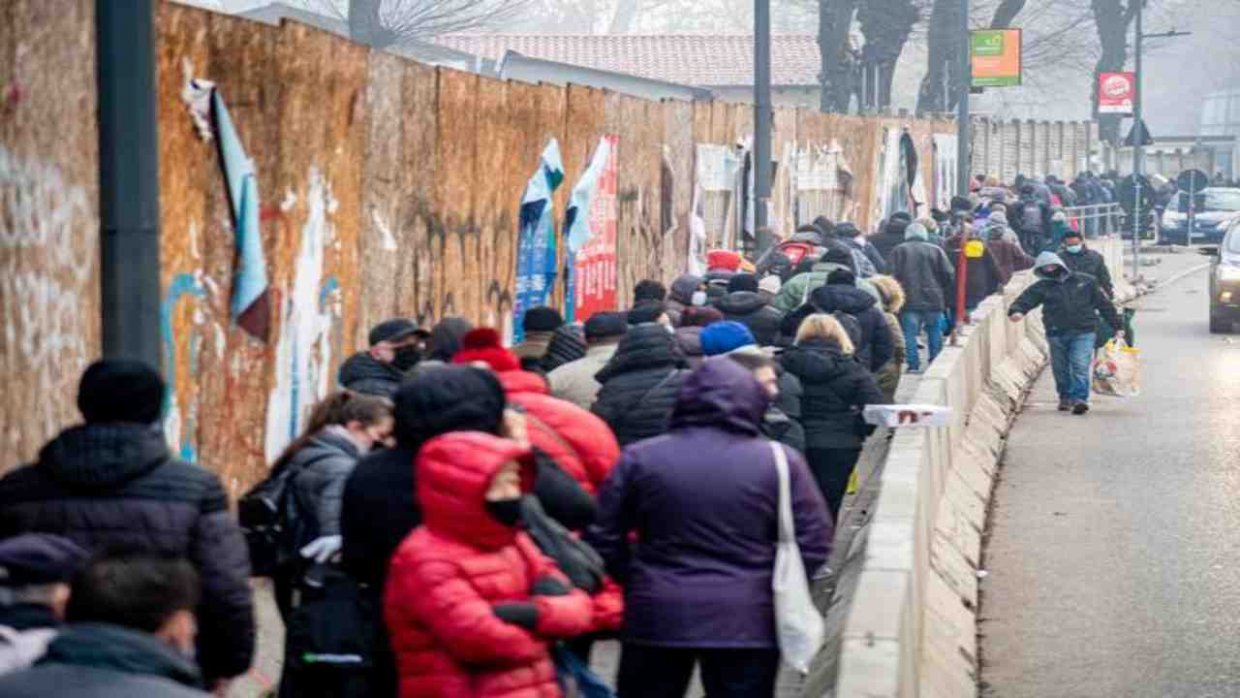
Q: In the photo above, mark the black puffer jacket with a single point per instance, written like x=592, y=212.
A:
x=889, y=238
x=323, y=466
x=115, y=486
x=877, y=345
x=749, y=309
x=924, y=271
x=1071, y=301
x=640, y=384
x=362, y=373
x=835, y=388
x=1090, y=262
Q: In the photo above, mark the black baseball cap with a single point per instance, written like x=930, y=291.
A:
x=395, y=330
x=39, y=558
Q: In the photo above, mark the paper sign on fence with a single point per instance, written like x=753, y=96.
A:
x=903, y=416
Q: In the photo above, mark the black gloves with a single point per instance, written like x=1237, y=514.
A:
x=549, y=586
x=520, y=613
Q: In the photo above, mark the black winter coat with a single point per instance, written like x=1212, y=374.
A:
x=640, y=384
x=891, y=237
x=835, y=389
x=1090, y=262
x=93, y=660
x=749, y=309
x=322, y=467
x=1068, y=305
x=377, y=511
x=924, y=271
x=877, y=346
x=362, y=373
x=115, y=486
x=983, y=276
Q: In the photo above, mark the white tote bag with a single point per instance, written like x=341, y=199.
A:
x=798, y=624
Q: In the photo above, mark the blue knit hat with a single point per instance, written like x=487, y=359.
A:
x=723, y=337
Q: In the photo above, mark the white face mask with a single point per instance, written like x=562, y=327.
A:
x=699, y=298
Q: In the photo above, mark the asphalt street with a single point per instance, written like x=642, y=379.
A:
x=1113, y=563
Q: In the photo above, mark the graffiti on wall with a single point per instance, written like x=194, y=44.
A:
x=46, y=277
x=308, y=315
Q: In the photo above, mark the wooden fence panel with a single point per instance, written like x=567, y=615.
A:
x=49, y=218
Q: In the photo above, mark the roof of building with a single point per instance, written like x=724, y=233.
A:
x=687, y=59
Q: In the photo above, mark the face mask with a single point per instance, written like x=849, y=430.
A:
x=698, y=299
x=505, y=511
x=407, y=357
x=1075, y=249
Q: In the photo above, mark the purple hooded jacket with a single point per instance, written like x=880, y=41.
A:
x=703, y=501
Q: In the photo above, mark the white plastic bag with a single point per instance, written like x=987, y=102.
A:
x=1117, y=370
x=897, y=416
x=798, y=624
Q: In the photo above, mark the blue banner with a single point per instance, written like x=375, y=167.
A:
x=536, y=252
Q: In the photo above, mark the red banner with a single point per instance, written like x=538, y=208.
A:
x=1116, y=92
x=595, y=268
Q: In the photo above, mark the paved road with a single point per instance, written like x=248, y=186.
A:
x=1114, y=559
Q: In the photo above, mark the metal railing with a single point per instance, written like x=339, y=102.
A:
x=1095, y=220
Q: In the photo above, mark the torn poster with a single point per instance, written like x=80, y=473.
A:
x=536, y=257
x=591, y=225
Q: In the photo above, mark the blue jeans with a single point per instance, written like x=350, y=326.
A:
x=912, y=322
x=1071, y=355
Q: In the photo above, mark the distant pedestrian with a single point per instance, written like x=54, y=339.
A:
x=1071, y=305
x=130, y=634
x=396, y=347
x=927, y=277
x=574, y=381
x=640, y=383
x=343, y=427
x=836, y=387
x=1034, y=219
x=890, y=234
x=1008, y=255
x=35, y=570
x=112, y=483
x=445, y=339
x=568, y=343
x=796, y=292
x=840, y=295
x=688, y=291
x=650, y=312
x=686, y=523
x=850, y=233
x=888, y=374
x=649, y=290
x=743, y=304
x=689, y=334
x=983, y=276
x=539, y=325
x=471, y=604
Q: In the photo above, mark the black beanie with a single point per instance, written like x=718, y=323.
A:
x=743, y=282
x=542, y=319
x=841, y=277
x=448, y=398
x=646, y=311
x=120, y=390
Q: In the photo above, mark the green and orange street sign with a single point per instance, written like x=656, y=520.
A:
x=995, y=56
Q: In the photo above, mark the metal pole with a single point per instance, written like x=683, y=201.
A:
x=963, y=167
x=1138, y=149
x=128, y=180
x=762, y=122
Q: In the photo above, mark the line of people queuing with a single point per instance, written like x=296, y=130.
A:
x=461, y=518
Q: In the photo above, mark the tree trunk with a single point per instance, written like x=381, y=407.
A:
x=1006, y=13
x=622, y=19
x=364, y=23
x=834, y=19
x=886, y=25
x=1111, y=19
x=937, y=94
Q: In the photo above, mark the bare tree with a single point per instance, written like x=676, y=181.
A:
x=1112, y=19
x=838, y=60
x=940, y=86
x=381, y=23
x=886, y=25
x=1006, y=13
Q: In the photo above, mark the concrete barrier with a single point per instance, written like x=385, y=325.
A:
x=911, y=626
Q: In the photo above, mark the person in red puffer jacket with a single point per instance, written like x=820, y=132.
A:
x=470, y=603
x=577, y=440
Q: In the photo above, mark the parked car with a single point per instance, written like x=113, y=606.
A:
x=1217, y=208
x=1225, y=280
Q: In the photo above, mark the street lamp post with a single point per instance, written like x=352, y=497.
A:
x=1138, y=147
x=761, y=122
x=962, y=104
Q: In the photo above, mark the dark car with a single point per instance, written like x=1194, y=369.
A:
x=1225, y=280
x=1217, y=208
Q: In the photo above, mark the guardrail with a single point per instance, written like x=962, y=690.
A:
x=1095, y=220
x=911, y=627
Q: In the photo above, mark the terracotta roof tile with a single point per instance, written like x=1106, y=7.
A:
x=689, y=59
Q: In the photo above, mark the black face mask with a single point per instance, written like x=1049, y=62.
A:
x=505, y=511
x=407, y=357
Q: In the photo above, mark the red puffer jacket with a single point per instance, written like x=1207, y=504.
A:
x=447, y=574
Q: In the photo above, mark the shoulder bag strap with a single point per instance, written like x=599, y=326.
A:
x=787, y=529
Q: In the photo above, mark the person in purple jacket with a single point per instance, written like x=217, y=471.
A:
x=702, y=501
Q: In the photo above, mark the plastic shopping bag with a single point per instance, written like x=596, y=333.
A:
x=1117, y=370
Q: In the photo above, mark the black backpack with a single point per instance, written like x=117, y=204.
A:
x=1031, y=220
x=267, y=521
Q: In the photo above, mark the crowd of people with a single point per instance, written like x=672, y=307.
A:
x=461, y=518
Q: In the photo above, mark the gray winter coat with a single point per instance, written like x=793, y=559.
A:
x=322, y=466
x=574, y=381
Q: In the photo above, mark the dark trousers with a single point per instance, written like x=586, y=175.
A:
x=664, y=672
x=831, y=468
